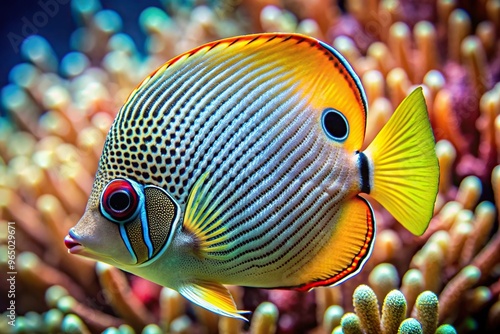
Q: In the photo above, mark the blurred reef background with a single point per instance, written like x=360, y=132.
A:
x=67, y=67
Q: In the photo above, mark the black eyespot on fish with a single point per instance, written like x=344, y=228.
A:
x=120, y=201
x=335, y=124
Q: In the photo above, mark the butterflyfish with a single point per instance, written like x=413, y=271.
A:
x=239, y=163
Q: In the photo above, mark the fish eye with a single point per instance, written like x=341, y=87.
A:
x=335, y=124
x=119, y=201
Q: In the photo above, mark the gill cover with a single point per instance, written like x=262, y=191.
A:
x=145, y=215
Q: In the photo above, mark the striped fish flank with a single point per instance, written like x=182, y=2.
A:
x=273, y=178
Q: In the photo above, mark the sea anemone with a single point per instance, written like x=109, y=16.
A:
x=58, y=113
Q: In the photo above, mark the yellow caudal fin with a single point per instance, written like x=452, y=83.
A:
x=405, y=173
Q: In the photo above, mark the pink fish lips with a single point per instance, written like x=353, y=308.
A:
x=74, y=247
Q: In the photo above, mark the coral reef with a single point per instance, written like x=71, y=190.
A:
x=59, y=112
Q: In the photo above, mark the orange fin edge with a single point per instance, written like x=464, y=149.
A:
x=358, y=261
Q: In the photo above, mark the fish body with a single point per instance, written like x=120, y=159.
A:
x=239, y=163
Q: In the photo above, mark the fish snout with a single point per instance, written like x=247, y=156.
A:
x=70, y=241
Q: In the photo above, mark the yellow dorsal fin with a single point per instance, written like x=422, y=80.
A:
x=202, y=218
x=212, y=296
x=405, y=173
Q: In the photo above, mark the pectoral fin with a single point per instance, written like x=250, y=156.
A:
x=202, y=218
x=213, y=297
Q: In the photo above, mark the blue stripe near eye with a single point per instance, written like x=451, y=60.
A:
x=145, y=232
x=125, y=239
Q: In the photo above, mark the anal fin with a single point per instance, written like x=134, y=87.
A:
x=347, y=250
x=212, y=296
